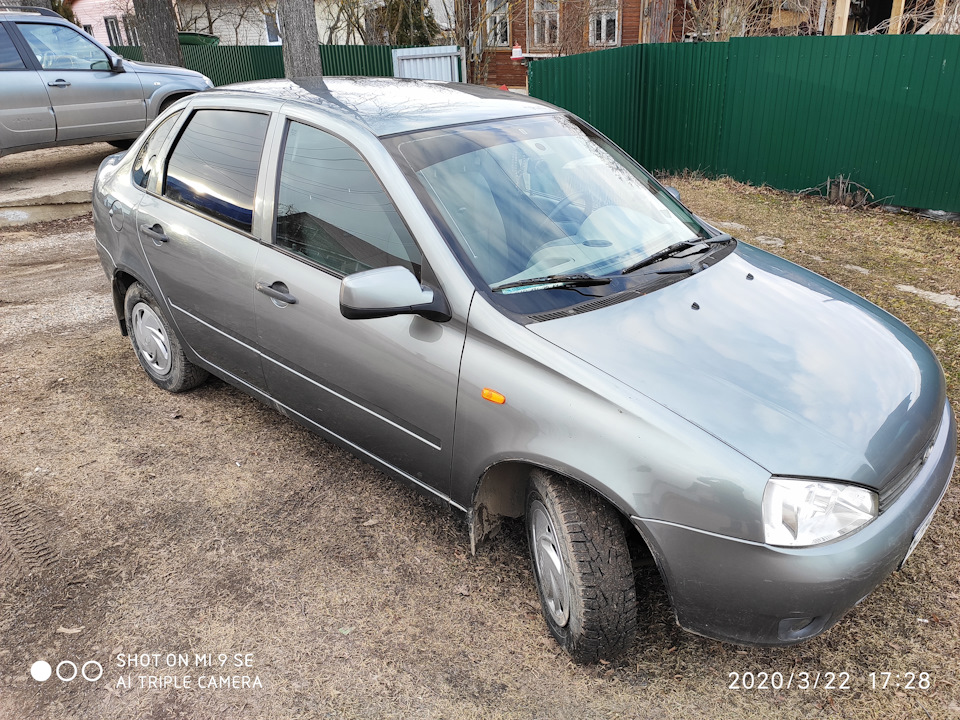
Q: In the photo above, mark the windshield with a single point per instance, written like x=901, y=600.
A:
x=540, y=197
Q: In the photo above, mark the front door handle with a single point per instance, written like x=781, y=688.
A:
x=60, y=83
x=154, y=232
x=277, y=291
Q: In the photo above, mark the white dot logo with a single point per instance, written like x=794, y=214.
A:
x=41, y=670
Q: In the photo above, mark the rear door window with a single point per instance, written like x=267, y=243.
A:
x=145, y=164
x=9, y=57
x=213, y=167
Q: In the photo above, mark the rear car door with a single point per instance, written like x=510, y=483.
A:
x=197, y=234
x=89, y=100
x=385, y=386
x=25, y=115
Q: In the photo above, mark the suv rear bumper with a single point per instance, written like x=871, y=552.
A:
x=755, y=594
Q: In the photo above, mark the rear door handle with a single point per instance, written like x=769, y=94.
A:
x=154, y=232
x=277, y=291
x=60, y=83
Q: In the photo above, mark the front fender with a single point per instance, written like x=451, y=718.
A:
x=158, y=89
x=565, y=415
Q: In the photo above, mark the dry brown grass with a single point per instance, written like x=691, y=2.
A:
x=207, y=523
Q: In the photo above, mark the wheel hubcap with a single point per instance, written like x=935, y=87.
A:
x=549, y=564
x=151, y=339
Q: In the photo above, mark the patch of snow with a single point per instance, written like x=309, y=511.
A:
x=950, y=301
x=771, y=241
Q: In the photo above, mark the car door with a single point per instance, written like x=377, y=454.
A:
x=386, y=386
x=197, y=233
x=25, y=115
x=89, y=100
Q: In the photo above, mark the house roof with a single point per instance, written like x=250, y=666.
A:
x=387, y=106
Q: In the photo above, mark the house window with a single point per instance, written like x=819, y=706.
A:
x=546, y=16
x=498, y=23
x=273, y=31
x=130, y=28
x=113, y=31
x=88, y=29
x=603, y=24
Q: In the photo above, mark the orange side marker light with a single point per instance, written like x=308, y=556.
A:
x=493, y=396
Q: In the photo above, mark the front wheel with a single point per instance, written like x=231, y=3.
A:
x=156, y=345
x=583, y=570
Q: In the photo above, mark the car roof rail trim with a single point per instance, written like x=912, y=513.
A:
x=30, y=9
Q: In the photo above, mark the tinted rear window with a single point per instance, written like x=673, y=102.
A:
x=214, y=166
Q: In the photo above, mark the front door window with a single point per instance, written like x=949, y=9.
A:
x=59, y=48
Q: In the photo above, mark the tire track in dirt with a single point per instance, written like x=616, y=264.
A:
x=24, y=549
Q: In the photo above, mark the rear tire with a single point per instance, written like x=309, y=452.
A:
x=583, y=570
x=156, y=345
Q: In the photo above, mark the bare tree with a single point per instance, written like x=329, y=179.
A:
x=720, y=20
x=301, y=40
x=347, y=19
x=925, y=17
x=482, y=27
x=244, y=18
x=344, y=22
x=157, y=28
x=401, y=22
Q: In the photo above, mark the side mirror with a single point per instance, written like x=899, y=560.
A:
x=116, y=65
x=389, y=291
x=674, y=193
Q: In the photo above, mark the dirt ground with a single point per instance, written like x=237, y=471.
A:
x=186, y=542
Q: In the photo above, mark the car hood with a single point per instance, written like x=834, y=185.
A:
x=155, y=69
x=801, y=376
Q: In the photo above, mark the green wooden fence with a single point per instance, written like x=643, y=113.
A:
x=883, y=111
x=225, y=64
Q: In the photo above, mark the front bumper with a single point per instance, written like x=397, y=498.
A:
x=755, y=594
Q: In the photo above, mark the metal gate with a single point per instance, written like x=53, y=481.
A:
x=428, y=63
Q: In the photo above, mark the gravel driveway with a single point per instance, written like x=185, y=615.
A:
x=199, y=555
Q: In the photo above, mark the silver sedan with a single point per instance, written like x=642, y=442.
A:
x=481, y=295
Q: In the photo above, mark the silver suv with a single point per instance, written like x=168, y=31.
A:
x=61, y=87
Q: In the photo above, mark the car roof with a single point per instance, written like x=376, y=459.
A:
x=386, y=106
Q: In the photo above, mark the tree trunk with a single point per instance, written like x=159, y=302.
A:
x=301, y=40
x=158, y=31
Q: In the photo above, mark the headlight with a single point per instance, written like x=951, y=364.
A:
x=798, y=513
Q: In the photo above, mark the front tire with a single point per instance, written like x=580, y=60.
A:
x=156, y=345
x=582, y=567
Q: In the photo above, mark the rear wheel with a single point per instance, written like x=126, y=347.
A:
x=583, y=570
x=156, y=345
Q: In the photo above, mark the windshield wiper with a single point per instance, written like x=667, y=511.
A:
x=674, y=250
x=550, y=282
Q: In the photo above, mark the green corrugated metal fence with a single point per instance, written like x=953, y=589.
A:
x=366, y=60
x=883, y=111
x=129, y=52
x=225, y=64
